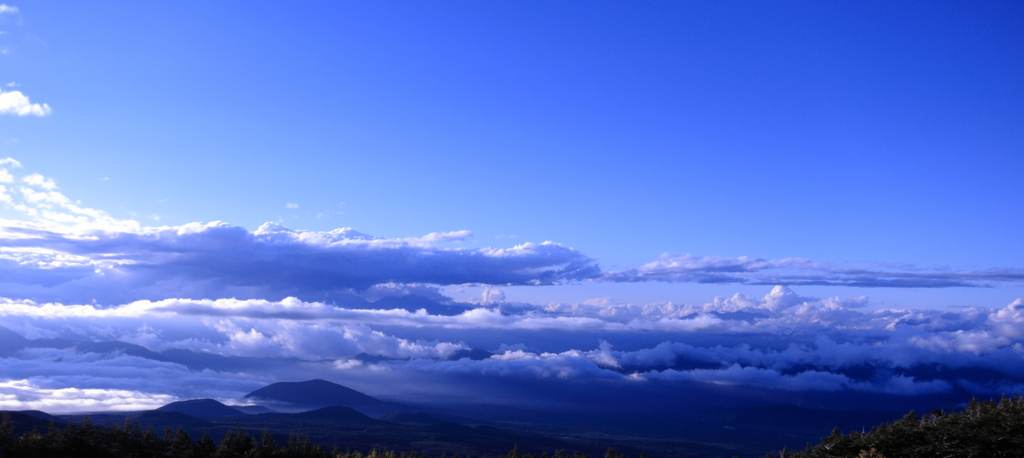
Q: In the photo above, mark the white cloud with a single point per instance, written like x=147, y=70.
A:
x=24, y=395
x=454, y=236
x=492, y=295
x=67, y=380
x=291, y=205
x=11, y=162
x=7, y=9
x=345, y=364
x=16, y=103
x=36, y=179
x=975, y=341
x=1009, y=321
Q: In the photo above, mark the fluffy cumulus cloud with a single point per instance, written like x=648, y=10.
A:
x=16, y=103
x=686, y=268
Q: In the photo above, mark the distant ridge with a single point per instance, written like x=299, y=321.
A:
x=415, y=417
x=40, y=415
x=202, y=408
x=337, y=414
x=314, y=393
x=253, y=410
x=166, y=419
x=10, y=341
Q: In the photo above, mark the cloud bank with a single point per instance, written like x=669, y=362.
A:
x=61, y=250
x=780, y=343
x=686, y=268
x=53, y=248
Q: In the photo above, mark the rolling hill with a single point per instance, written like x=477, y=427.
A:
x=202, y=408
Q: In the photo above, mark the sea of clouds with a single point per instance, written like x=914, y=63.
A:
x=215, y=310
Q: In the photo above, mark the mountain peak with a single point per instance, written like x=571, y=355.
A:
x=202, y=408
x=313, y=393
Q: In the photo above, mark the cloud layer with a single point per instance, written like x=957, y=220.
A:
x=61, y=250
x=686, y=268
x=780, y=343
x=56, y=249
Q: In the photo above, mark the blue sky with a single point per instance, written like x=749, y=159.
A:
x=672, y=151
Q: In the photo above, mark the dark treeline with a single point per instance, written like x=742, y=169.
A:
x=87, y=440
x=983, y=429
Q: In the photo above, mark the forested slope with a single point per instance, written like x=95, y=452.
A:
x=982, y=429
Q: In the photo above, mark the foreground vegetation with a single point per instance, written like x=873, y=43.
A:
x=982, y=429
x=87, y=440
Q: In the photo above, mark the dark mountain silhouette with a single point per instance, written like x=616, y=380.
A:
x=413, y=418
x=29, y=420
x=313, y=393
x=172, y=420
x=40, y=415
x=116, y=346
x=52, y=343
x=374, y=359
x=10, y=341
x=202, y=408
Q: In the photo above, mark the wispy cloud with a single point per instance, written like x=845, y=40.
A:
x=36, y=179
x=7, y=9
x=686, y=268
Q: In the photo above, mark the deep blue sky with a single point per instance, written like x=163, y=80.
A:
x=856, y=133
